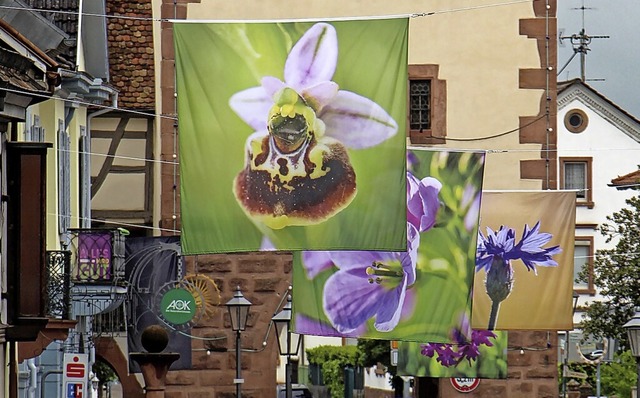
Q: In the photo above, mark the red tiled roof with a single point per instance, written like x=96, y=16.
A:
x=131, y=66
x=627, y=181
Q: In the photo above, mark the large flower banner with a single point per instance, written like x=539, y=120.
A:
x=292, y=133
x=472, y=354
x=413, y=295
x=524, y=261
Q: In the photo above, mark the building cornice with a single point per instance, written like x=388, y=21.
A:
x=623, y=122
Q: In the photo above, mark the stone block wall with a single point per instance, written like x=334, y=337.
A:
x=263, y=279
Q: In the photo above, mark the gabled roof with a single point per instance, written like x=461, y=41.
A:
x=24, y=68
x=627, y=181
x=597, y=102
x=40, y=29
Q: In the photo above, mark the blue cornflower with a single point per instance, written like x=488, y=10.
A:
x=495, y=253
x=529, y=249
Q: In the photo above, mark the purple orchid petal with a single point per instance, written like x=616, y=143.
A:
x=252, y=105
x=313, y=58
x=267, y=245
x=349, y=300
x=357, y=121
x=319, y=95
x=315, y=262
x=271, y=86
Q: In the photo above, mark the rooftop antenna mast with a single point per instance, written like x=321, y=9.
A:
x=580, y=43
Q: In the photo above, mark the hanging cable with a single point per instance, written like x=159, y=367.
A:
x=118, y=16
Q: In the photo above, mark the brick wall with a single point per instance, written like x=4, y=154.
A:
x=263, y=278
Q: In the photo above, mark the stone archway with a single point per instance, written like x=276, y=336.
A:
x=108, y=350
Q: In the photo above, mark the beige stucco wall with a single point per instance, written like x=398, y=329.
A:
x=479, y=51
x=50, y=112
x=111, y=196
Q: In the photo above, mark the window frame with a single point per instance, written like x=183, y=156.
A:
x=587, y=201
x=588, y=242
x=437, y=133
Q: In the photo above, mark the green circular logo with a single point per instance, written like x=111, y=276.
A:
x=178, y=306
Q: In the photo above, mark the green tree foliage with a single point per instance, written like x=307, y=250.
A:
x=376, y=351
x=617, y=275
x=105, y=374
x=619, y=376
x=379, y=351
x=333, y=360
x=616, y=377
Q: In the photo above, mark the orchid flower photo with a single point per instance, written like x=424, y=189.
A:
x=403, y=295
x=289, y=130
x=297, y=167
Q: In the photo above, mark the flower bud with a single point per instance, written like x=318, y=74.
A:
x=499, y=281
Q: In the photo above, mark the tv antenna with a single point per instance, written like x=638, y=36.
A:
x=580, y=43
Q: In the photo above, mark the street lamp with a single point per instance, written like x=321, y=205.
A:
x=565, y=365
x=633, y=333
x=238, y=308
x=288, y=342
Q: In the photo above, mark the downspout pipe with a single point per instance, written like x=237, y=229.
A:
x=44, y=377
x=33, y=377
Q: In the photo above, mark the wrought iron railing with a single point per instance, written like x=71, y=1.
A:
x=57, y=284
x=110, y=323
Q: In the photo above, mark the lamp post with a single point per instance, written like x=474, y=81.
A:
x=288, y=342
x=565, y=365
x=238, y=308
x=633, y=333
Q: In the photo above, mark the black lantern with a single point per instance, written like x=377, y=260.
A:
x=238, y=308
x=288, y=342
x=633, y=333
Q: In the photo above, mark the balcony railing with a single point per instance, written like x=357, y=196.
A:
x=57, y=286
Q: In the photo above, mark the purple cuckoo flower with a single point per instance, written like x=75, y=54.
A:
x=422, y=201
x=373, y=284
x=370, y=284
x=297, y=168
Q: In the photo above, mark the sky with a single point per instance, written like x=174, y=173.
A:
x=615, y=59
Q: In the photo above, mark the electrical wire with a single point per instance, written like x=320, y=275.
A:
x=147, y=114
x=134, y=18
x=495, y=135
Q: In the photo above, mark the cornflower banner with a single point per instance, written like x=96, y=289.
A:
x=413, y=295
x=292, y=133
x=472, y=353
x=524, y=261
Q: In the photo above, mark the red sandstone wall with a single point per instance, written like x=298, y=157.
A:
x=263, y=279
